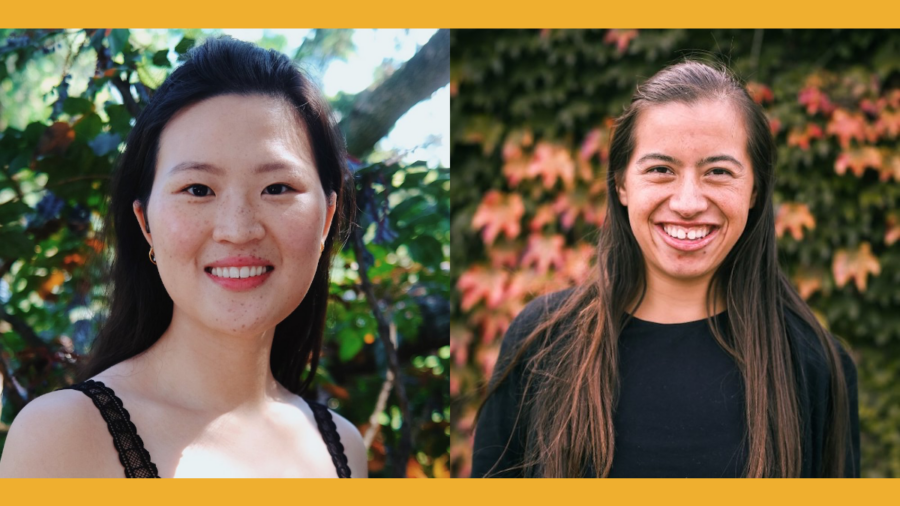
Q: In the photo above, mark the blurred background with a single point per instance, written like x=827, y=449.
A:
x=531, y=114
x=68, y=99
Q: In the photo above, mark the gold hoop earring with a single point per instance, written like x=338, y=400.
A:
x=152, y=258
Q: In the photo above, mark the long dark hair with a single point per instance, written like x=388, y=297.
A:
x=571, y=384
x=140, y=308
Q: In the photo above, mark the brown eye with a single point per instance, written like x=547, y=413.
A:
x=198, y=190
x=277, y=189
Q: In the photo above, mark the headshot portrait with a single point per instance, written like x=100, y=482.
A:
x=674, y=253
x=224, y=253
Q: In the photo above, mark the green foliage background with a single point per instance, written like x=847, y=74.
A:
x=62, y=122
x=530, y=116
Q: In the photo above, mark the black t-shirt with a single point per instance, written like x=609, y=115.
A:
x=681, y=408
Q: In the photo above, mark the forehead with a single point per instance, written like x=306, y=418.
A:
x=235, y=131
x=707, y=125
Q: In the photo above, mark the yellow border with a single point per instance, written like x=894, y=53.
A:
x=450, y=492
x=453, y=14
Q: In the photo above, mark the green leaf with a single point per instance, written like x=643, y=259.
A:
x=74, y=106
x=161, y=58
x=184, y=45
x=426, y=250
x=118, y=39
x=351, y=344
x=119, y=119
x=14, y=244
x=88, y=127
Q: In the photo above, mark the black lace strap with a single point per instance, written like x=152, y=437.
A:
x=135, y=459
x=331, y=437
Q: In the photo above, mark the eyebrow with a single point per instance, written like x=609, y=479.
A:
x=703, y=161
x=206, y=167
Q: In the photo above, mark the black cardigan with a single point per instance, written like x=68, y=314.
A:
x=500, y=442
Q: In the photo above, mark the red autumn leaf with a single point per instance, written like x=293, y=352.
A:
x=480, y=284
x=570, y=205
x=504, y=256
x=515, y=171
x=793, y=217
x=759, y=92
x=596, y=142
x=815, y=100
x=891, y=169
x=857, y=160
x=774, y=124
x=578, y=262
x=55, y=139
x=460, y=339
x=544, y=215
x=552, y=163
x=888, y=123
x=544, y=252
x=801, y=137
x=846, y=126
x=892, y=232
x=807, y=283
x=855, y=264
x=499, y=213
x=620, y=38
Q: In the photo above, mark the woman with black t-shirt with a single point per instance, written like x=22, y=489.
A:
x=688, y=353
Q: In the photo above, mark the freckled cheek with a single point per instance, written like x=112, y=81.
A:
x=181, y=233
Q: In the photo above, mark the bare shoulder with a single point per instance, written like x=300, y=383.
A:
x=59, y=435
x=354, y=447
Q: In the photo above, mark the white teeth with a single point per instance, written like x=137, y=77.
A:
x=690, y=234
x=238, y=272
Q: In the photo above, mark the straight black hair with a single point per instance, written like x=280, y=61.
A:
x=140, y=308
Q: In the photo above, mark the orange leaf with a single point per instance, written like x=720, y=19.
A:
x=55, y=139
x=414, y=469
x=891, y=169
x=479, y=284
x=807, y=284
x=760, y=92
x=888, y=123
x=846, y=126
x=801, y=137
x=857, y=160
x=544, y=252
x=793, y=217
x=569, y=206
x=499, y=213
x=620, y=38
x=815, y=100
x=892, y=232
x=543, y=216
x=552, y=163
x=54, y=281
x=855, y=264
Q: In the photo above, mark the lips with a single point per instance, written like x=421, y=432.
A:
x=239, y=273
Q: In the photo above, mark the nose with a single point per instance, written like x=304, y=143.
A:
x=237, y=221
x=688, y=199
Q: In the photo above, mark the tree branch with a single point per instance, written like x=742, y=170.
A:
x=127, y=98
x=9, y=387
x=386, y=388
x=376, y=111
x=401, y=456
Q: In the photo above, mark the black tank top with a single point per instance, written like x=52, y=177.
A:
x=136, y=459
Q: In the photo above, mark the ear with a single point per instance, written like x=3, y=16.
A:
x=329, y=214
x=621, y=192
x=142, y=220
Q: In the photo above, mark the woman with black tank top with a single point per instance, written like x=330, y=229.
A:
x=688, y=353
x=233, y=178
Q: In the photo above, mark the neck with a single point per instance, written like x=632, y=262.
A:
x=676, y=301
x=199, y=368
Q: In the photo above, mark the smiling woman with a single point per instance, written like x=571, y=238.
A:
x=688, y=353
x=225, y=207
